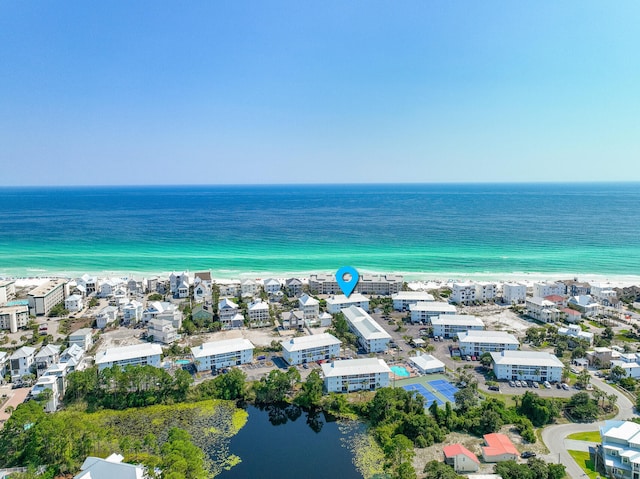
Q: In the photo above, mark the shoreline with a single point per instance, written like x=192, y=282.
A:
x=432, y=279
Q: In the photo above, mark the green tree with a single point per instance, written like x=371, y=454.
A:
x=439, y=470
x=311, y=394
x=181, y=459
x=465, y=398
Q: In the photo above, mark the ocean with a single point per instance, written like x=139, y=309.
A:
x=420, y=230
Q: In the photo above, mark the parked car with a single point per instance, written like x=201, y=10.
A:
x=535, y=384
x=305, y=366
x=518, y=384
x=565, y=386
x=494, y=388
x=527, y=454
x=589, y=387
x=547, y=384
x=558, y=386
x=473, y=358
x=467, y=358
x=512, y=384
x=261, y=358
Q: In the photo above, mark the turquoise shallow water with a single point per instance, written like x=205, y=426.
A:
x=416, y=229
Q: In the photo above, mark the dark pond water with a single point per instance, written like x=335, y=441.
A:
x=289, y=443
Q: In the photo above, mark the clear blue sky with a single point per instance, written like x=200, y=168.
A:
x=157, y=92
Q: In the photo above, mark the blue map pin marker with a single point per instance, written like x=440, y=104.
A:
x=347, y=286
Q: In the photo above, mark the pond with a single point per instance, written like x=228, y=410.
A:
x=289, y=443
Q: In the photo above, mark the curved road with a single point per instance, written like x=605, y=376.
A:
x=554, y=436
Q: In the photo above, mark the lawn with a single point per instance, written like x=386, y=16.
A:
x=596, y=324
x=591, y=436
x=584, y=461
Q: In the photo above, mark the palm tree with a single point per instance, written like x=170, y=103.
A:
x=611, y=400
x=598, y=394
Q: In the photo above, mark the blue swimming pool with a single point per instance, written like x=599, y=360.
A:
x=182, y=361
x=400, y=371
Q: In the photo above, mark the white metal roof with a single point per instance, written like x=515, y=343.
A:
x=365, y=324
x=342, y=299
x=308, y=342
x=475, y=336
x=433, y=307
x=412, y=296
x=526, y=358
x=352, y=367
x=457, y=320
x=307, y=300
x=128, y=352
x=221, y=347
x=426, y=362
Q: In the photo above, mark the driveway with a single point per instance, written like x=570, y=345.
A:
x=555, y=436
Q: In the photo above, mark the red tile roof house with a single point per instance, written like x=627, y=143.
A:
x=572, y=315
x=461, y=458
x=499, y=448
x=557, y=299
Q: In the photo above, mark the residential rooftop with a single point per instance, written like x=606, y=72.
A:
x=221, y=347
x=124, y=353
x=352, y=367
x=308, y=342
x=527, y=358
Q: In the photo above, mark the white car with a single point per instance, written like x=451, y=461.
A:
x=547, y=385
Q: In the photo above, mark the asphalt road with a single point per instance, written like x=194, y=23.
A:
x=555, y=436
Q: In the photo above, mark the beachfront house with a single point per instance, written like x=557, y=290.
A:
x=310, y=308
x=48, y=355
x=350, y=375
x=423, y=311
x=545, y=288
x=402, y=300
x=110, y=468
x=272, y=286
x=336, y=303
x=307, y=349
x=91, y=284
x=514, y=293
x=463, y=293
x=460, y=458
x=543, y=310
x=83, y=338
x=162, y=331
x=486, y=291
x=108, y=287
x=178, y=279
x=499, y=448
x=14, y=317
x=293, y=286
x=449, y=325
x=230, y=289
x=106, y=316
x=44, y=297
x=258, y=312
x=474, y=343
x=371, y=336
x=74, y=303
x=217, y=355
x=227, y=310
x=528, y=365
x=21, y=360
x=619, y=449
x=138, y=354
x=249, y=288
x=203, y=277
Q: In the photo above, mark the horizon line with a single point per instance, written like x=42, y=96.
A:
x=408, y=183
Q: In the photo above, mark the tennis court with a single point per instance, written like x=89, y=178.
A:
x=445, y=388
x=429, y=397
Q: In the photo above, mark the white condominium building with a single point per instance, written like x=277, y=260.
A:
x=7, y=291
x=543, y=310
x=380, y=284
x=46, y=296
x=474, y=343
x=423, y=311
x=338, y=302
x=547, y=289
x=486, y=291
x=449, y=325
x=371, y=336
x=527, y=365
x=14, y=317
x=307, y=349
x=404, y=299
x=222, y=354
x=138, y=354
x=355, y=375
x=463, y=292
x=514, y=293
